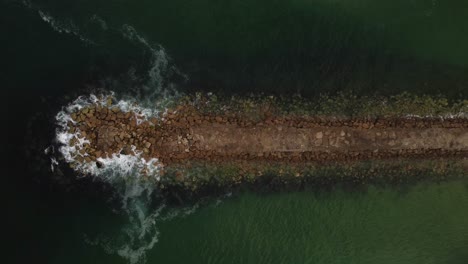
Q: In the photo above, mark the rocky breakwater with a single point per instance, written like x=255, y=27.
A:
x=185, y=135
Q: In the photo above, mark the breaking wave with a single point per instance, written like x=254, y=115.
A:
x=133, y=188
x=72, y=144
x=133, y=178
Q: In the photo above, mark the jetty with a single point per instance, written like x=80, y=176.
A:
x=185, y=134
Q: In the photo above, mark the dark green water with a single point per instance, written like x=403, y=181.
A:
x=279, y=47
x=422, y=224
x=425, y=225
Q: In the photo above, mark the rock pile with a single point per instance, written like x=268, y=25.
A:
x=184, y=133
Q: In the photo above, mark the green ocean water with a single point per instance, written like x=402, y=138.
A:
x=283, y=46
x=418, y=224
x=56, y=50
x=426, y=224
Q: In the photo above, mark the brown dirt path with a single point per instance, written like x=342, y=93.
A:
x=181, y=136
x=317, y=143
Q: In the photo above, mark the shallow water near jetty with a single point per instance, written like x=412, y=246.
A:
x=58, y=49
x=425, y=223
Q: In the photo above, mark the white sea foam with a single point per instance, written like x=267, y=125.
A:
x=141, y=233
x=102, y=23
x=72, y=143
x=53, y=163
x=442, y=117
x=57, y=25
x=132, y=177
x=156, y=85
x=159, y=60
x=67, y=28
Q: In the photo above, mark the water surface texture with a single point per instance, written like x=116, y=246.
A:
x=147, y=50
x=422, y=224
